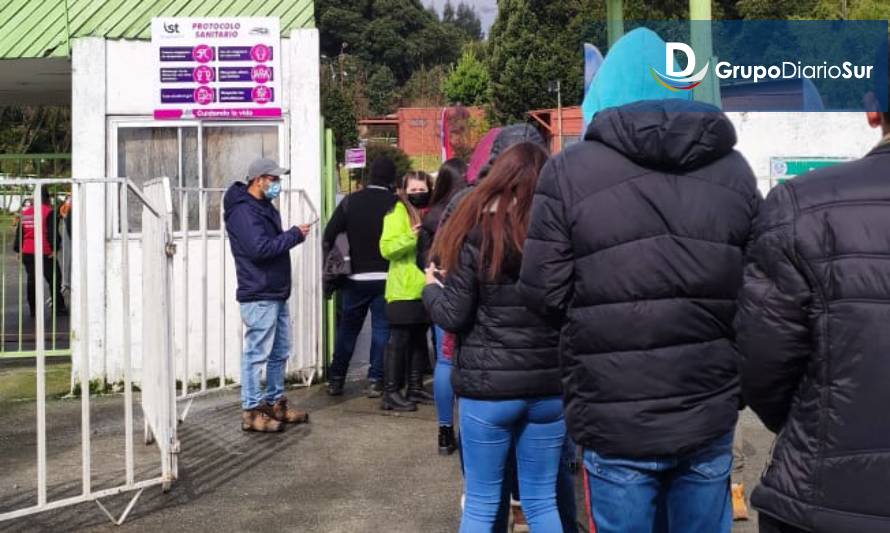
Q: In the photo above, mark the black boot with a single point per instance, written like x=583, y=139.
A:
x=335, y=386
x=416, y=392
x=393, y=367
x=447, y=442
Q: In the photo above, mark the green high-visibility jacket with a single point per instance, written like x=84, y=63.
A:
x=398, y=245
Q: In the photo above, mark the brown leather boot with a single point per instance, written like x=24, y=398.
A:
x=739, y=507
x=283, y=412
x=259, y=420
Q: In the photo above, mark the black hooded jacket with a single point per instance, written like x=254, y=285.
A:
x=636, y=248
x=814, y=332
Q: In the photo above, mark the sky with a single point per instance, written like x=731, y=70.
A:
x=486, y=9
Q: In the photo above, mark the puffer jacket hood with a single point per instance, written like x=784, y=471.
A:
x=624, y=76
x=665, y=134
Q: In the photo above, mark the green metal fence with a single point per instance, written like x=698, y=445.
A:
x=329, y=202
x=18, y=336
x=36, y=165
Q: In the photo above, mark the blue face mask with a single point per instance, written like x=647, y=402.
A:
x=273, y=191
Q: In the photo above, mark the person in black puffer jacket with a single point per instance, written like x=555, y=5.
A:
x=813, y=331
x=506, y=368
x=635, y=248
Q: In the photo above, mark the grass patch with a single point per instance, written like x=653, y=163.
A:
x=20, y=382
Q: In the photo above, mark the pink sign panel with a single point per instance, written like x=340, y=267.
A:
x=216, y=67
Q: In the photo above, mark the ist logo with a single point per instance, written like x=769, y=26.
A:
x=172, y=27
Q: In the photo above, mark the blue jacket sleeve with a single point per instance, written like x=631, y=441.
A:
x=251, y=236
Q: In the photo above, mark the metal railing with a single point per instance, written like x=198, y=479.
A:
x=208, y=332
x=18, y=273
x=157, y=396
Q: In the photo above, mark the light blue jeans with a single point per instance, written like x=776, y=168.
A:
x=266, y=346
x=489, y=429
x=443, y=392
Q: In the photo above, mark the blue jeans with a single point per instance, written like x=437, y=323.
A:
x=687, y=493
x=266, y=346
x=442, y=389
x=565, y=490
x=356, y=297
x=489, y=428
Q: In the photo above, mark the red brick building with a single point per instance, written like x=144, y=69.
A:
x=417, y=130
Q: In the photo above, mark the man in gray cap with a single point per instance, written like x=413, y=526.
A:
x=262, y=262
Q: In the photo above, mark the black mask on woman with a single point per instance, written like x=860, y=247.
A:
x=419, y=199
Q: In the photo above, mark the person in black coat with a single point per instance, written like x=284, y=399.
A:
x=635, y=249
x=450, y=180
x=506, y=369
x=813, y=331
x=360, y=216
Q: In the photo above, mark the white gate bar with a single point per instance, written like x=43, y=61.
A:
x=204, y=295
x=184, y=224
x=125, y=324
x=83, y=337
x=41, y=344
x=222, y=294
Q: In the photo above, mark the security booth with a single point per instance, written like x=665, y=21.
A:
x=170, y=103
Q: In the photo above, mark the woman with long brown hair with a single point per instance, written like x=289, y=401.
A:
x=506, y=369
x=407, y=317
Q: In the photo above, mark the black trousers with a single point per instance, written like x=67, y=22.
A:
x=769, y=524
x=50, y=267
x=404, y=341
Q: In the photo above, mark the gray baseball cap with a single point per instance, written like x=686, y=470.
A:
x=265, y=167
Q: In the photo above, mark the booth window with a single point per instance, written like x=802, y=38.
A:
x=202, y=160
x=228, y=150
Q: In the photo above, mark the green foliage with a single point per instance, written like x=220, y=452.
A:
x=424, y=88
x=532, y=44
x=339, y=113
x=399, y=158
x=381, y=49
x=381, y=90
x=35, y=129
x=468, y=82
x=464, y=18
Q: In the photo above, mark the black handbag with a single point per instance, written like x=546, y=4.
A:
x=337, y=263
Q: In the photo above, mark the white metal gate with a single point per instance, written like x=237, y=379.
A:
x=158, y=385
x=208, y=333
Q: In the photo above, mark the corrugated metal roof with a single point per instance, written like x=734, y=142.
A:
x=42, y=28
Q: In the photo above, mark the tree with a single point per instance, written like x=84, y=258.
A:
x=394, y=153
x=424, y=89
x=530, y=47
x=468, y=83
x=382, y=93
x=339, y=114
x=448, y=15
x=468, y=21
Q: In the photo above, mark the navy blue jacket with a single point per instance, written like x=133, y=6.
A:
x=260, y=247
